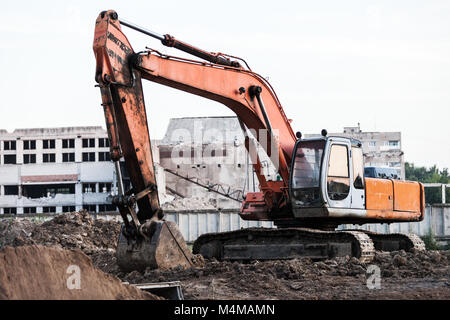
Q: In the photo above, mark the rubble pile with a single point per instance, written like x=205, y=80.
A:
x=10, y=229
x=68, y=231
x=190, y=204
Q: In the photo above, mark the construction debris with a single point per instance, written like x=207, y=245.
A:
x=403, y=275
x=418, y=275
x=67, y=231
x=190, y=204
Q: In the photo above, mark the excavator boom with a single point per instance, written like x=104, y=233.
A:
x=146, y=240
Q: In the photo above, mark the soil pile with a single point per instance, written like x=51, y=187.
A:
x=72, y=230
x=36, y=272
x=10, y=229
x=76, y=230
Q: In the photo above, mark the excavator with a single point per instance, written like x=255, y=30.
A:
x=320, y=184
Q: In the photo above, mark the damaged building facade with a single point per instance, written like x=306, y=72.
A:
x=55, y=170
x=210, y=150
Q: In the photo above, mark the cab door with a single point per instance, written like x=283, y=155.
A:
x=357, y=178
x=338, y=179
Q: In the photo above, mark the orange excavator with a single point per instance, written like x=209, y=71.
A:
x=321, y=182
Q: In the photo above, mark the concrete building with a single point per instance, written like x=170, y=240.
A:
x=55, y=170
x=211, y=149
x=381, y=149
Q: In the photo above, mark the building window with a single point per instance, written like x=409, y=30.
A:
x=29, y=210
x=11, y=190
x=372, y=143
x=68, y=157
x=9, y=159
x=9, y=145
x=49, y=209
x=103, y=142
x=48, y=144
x=393, y=143
x=395, y=164
x=104, y=156
x=68, y=143
x=29, y=144
x=29, y=158
x=90, y=207
x=106, y=207
x=47, y=190
x=88, y=187
x=89, y=143
x=68, y=208
x=48, y=157
x=104, y=187
x=10, y=210
x=88, y=156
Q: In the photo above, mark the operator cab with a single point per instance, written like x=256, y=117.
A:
x=326, y=172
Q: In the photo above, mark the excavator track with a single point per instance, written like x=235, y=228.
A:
x=395, y=241
x=286, y=243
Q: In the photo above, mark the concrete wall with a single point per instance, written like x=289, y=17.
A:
x=436, y=221
x=193, y=223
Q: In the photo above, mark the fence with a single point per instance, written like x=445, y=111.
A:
x=193, y=223
x=436, y=221
x=438, y=185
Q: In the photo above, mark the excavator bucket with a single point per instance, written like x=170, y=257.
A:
x=163, y=247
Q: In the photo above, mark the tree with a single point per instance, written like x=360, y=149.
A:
x=431, y=175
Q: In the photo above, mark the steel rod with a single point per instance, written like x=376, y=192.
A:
x=141, y=29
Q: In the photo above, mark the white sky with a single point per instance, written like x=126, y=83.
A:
x=385, y=64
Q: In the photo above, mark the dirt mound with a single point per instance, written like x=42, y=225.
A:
x=76, y=230
x=69, y=231
x=36, y=272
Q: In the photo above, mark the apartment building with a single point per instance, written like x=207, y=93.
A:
x=53, y=170
x=381, y=149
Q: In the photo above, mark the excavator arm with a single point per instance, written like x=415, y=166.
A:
x=146, y=240
x=250, y=96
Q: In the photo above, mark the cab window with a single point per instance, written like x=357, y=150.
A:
x=306, y=173
x=338, y=179
x=358, y=168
